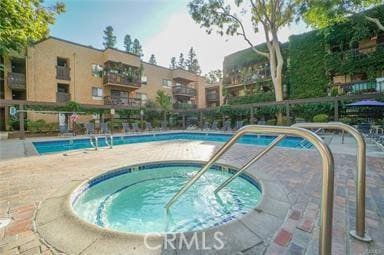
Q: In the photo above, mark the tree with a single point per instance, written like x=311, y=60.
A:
x=325, y=13
x=128, y=43
x=272, y=15
x=152, y=60
x=173, y=64
x=181, y=63
x=214, y=76
x=192, y=63
x=109, y=38
x=137, y=48
x=25, y=22
x=164, y=102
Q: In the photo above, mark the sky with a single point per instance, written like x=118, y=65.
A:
x=164, y=28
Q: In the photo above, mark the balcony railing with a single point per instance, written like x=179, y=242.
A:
x=360, y=87
x=212, y=97
x=183, y=106
x=184, y=91
x=16, y=81
x=114, y=78
x=63, y=73
x=127, y=101
x=62, y=97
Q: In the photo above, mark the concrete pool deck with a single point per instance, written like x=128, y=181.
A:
x=27, y=183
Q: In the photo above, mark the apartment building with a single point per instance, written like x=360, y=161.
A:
x=56, y=70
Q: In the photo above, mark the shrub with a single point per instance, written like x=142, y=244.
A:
x=286, y=121
x=271, y=122
x=37, y=126
x=320, y=118
x=346, y=120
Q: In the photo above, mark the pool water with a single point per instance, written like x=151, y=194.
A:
x=47, y=147
x=133, y=200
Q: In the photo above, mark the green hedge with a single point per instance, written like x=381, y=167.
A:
x=306, y=69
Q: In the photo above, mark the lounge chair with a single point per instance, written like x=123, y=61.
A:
x=64, y=131
x=164, y=126
x=261, y=122
x=205, y=126
x=214, y=126
x=90, y=128
x=239, y=124
x=135, y=127
x=227, y=126
x=126, y=128
x=148, y=126
x=104, y=128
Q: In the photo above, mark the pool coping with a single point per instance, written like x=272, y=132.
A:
x=60, y=227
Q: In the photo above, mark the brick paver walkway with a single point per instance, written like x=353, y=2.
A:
x=25, y=182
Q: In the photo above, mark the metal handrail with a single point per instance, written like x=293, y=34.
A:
x=96, y=144
x=249, y=163
x=109, y=144
x=359, y=232
x=327, y=165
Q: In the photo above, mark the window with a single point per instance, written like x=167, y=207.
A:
x=97, y=70
x=97, y=93
x=167, y=83
x=144, y=80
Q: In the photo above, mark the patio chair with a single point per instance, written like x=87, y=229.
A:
x=227, y=126
x=239, y=124
x=104, y=128
x=135, y=127
x=64, y=131
x=164, y=126
x=205, y=126
x=214, y=125
x=90, y=128
x=148, y=126
x=126, y=128
x=261, y=122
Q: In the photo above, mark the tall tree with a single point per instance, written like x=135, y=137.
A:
x=164, y=101
x=173, y=64
x=214, y=76
x=128, y=43
x=181, y=63
x=25, y=22
x=152, y=60
x=137, y=48
x=192, y=63
x=271, y=15
x=109, y=38
x=325, y=13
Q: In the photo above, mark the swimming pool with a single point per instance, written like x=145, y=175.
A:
x=132, y=199
x=46, y=147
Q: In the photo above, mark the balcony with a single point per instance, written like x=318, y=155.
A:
x=63, y=73
x=184, y=91
x=121, y=80
x=184, y=106
x=212, y=97
x=125, y=101
x=62, y=97
x=360, y=87
x=16, y=81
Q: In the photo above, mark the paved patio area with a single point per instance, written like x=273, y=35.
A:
x=27, y=181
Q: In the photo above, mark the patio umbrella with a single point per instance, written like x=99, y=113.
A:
x=367, y=103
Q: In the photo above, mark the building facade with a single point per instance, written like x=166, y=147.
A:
x=56, y=70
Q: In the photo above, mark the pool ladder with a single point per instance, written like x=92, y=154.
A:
x=94, y=141
x=282, y=132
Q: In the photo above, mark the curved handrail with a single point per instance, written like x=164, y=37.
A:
x=327, y=165
x=359, y=232
x=96, y=144
x=109, y=144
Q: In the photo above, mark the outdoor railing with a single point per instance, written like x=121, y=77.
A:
x=184, y=91
x=125, y=101
x=212, y=97
x=361, y=87
x=16, y=81
x=62, y=97
x=185, y=106
x=63, y=73
x=115, y=78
